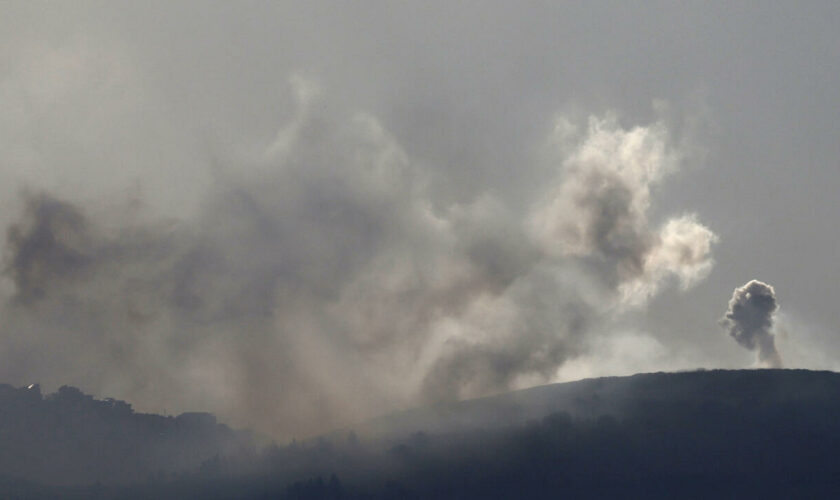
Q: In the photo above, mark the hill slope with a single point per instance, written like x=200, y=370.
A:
x=619, y=397
x=736, y=434
x=71, y=438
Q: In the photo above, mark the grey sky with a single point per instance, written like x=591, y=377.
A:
x=168, y=106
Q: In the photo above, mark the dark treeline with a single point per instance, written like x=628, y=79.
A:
x=71, y=438
x=749, y=434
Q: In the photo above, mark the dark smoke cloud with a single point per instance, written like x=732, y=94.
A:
x=749, y=320
x=322, y=281
x=49, y=244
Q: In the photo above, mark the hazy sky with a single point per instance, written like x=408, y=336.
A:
x=297, y=215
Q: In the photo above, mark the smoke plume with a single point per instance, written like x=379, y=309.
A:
x=749, y=320
x=323, y=281
x=47, y=245
x=598, y=213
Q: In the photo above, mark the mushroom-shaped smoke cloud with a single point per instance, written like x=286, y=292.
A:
x=749, y=320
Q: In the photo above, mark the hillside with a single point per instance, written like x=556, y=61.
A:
x=621, y=397
x=705, y=434
x=72, y=438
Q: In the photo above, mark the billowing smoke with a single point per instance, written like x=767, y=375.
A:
x=749, y=320
x=322, y=280
x=598, y=213
x=49, y=243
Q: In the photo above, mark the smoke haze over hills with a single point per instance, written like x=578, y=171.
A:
x=301, y=216
x=328, y=264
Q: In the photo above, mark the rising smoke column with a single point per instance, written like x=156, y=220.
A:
x=749, y=320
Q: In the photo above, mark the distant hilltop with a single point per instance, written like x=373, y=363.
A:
x=70, y=437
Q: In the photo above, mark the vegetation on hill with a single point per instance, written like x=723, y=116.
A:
x=735, y=434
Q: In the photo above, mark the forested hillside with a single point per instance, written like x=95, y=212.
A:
x=731, y=434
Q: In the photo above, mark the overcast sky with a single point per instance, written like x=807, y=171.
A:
x=391, y=181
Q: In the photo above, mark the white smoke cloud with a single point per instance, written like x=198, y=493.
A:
x=598, y=212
